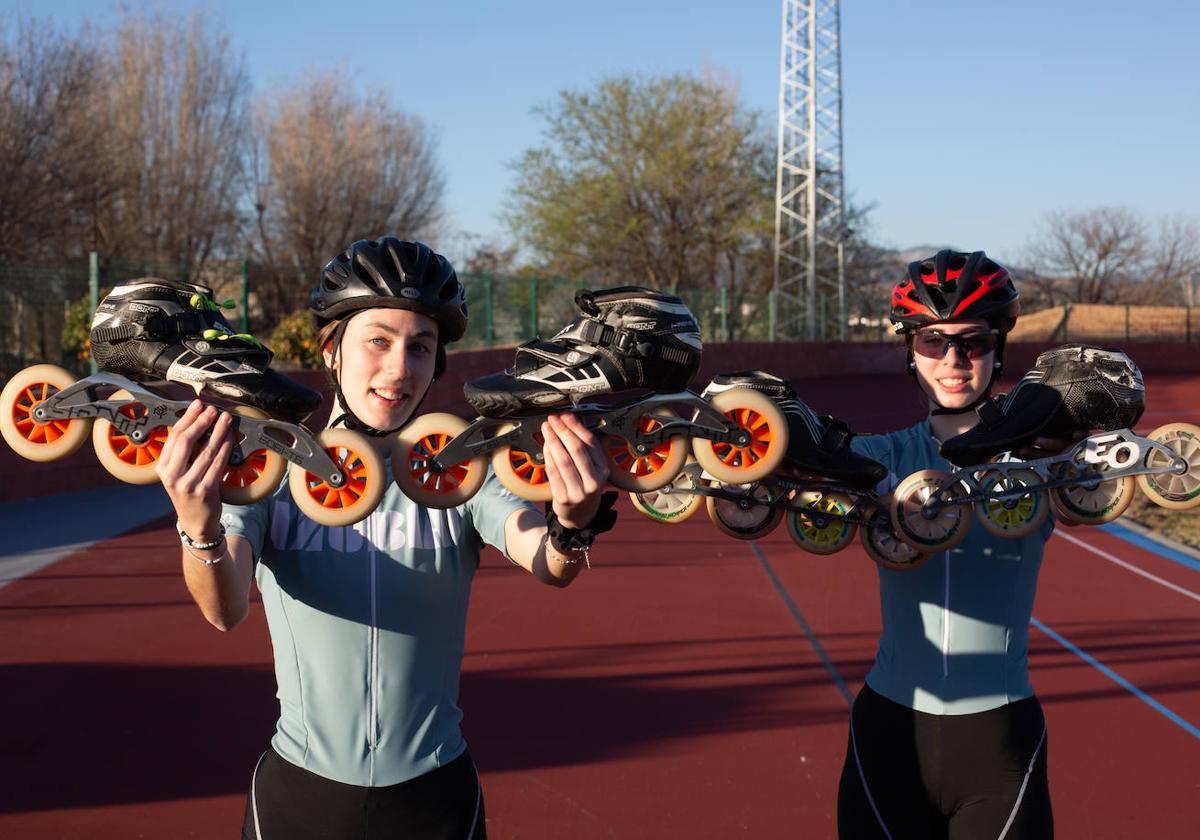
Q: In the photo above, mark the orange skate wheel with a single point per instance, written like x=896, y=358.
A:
x=258, y=475
x=945, y=530
x=131, y=461
x=815, y=536
x=747, y=521
x=677, y=506
x=522, y=472
x=767, y=426
x=420, y=441
x=28, y=438
x=657, y=468
x=354, y=500
x=1172, y=490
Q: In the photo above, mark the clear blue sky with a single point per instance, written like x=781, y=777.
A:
x=965, y=122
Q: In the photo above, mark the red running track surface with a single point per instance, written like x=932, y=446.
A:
x=673, y=691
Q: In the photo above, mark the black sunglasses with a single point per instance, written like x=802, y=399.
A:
x=935, y=345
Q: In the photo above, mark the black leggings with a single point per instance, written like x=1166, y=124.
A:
x=287, y=802
x=912, y=774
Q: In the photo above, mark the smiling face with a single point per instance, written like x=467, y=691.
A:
x=385, y=364
x=947, y=374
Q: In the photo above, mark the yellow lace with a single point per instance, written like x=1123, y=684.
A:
x=199, y=301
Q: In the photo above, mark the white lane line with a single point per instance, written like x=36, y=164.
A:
x=1187, y=593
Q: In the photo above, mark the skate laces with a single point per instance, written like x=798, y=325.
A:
x=200, y=302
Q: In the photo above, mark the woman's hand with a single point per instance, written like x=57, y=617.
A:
x=576, y=467
x=191, y=473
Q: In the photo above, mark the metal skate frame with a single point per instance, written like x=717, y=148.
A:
x=80, y=402
x=1110, y=456
x=484, y=436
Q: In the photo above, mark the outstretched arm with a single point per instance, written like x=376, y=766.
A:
x=218, y=578
x=578, y=470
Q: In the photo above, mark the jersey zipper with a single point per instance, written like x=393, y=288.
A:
x=373, y=709
x=946, y=623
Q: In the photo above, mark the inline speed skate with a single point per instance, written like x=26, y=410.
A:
x=823, y=490
x=151, y=330
x=624, y=339
x=1071, y=389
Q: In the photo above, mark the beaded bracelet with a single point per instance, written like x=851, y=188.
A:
x=200, y=546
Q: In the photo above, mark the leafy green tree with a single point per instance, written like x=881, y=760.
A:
x=664, y=181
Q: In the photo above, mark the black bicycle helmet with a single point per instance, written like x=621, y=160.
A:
x=953, y=285
x=392, y=273
x=389, y=273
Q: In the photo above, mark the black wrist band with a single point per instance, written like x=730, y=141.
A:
x=566, y=540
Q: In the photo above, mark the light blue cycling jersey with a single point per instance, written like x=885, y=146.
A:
x=956, y=630
x=368, y=625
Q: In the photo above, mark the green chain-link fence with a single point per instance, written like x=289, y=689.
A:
x=45, y=311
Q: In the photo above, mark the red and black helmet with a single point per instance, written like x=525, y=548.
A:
x=951, y=285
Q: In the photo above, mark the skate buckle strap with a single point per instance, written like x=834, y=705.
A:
x=835, y=437
x=990, y=414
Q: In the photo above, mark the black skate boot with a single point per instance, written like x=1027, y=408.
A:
x=150, y=329
x=817, y=446
x=1073, y=388
x=625, y=338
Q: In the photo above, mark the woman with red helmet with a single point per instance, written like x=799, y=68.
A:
x=368, y=622
x=946, y=737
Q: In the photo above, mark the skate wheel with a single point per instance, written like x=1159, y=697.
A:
x=30, y=439
x=677, y=506
x=353, y=501
x=420, y=441
x=1013, y=518
x=131, y=461
x=946, y=529
x=524, y=473
x=767, y=426
x=888, y=551
x=1092, y=503
x=819, y=534
x=258, y=475
x=641, y=473
x=749, y=518
x=1171, y=490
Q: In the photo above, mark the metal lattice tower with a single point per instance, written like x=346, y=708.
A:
x=809, y=208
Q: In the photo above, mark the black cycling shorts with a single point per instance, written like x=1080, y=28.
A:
x=910, y=774
x=287, y=802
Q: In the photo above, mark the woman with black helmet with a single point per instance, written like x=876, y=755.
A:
x=368, y=622
x=947, y=738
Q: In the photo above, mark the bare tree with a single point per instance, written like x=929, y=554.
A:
x=48, y=109
x=1175, y=259
x=1092, y=257
x=177, y=101
x=330, y=166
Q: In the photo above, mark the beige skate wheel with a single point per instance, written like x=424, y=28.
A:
x=751, y=522
x=889, y=551
x=1081, y=504
x=419, y=442
x=627, y=470
x=1172, y=490
x=1015, y=518
x=815, y=536
x=258, y=475
x=131, y=461
x=354, y=500
x=677, y=506
x=945, y=530
x=767, y=426
x=524, y=473
x=30, y=439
